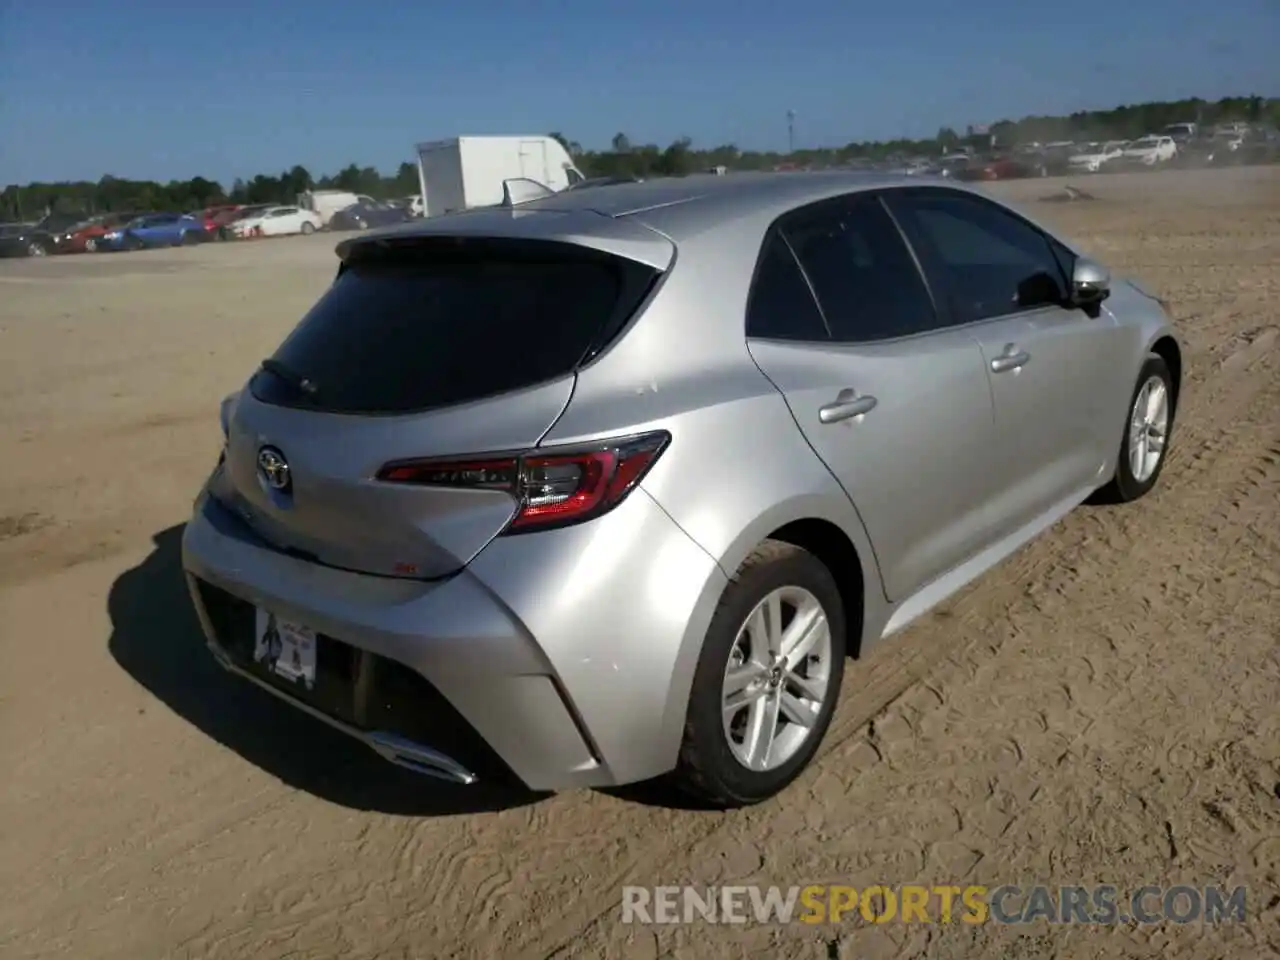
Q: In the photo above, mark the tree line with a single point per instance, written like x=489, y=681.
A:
x=625, y=158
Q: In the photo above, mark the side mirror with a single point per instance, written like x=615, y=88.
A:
x=1090, y=283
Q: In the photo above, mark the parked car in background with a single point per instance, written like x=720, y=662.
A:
x=214, y=217
x=1181, y=133
x=325, y=203
x=154, y=230
x=1011, y=167
x=41, y=238
x=1260, y=145
x=227, y=221
x=952, y=165
x=85, y=237
x=456, y=517
x=362, y=216
x=1149, y=151
x=277, y=222
x=1093, y=156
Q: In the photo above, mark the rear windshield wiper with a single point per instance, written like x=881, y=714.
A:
x=290, y=376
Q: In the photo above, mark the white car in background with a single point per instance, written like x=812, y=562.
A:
x=278, y=222
x=1150, y=150
x=1093, y=155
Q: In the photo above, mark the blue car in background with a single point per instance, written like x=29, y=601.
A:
x=154, y=230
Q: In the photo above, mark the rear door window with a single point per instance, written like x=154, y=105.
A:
x=438, y=323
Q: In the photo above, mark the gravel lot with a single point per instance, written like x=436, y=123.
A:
x=1103, y=708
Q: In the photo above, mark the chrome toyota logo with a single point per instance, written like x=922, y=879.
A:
x=274, y=468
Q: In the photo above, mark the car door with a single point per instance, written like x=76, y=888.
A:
x=150, y=230
x=290, y=220
x=893, y=401
x=274, y=223
x=1054, y=369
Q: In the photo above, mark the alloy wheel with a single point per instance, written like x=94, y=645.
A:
x=1148, y=428
x=777, y=679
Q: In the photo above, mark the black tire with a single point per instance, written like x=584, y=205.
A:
x=189, y=238
x=307, y=228
x=1124, y=487
x=707, y=768
x=37, y=249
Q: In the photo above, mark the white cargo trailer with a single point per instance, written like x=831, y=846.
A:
x=465, y=172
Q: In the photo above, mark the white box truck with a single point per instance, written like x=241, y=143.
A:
x=465, y=172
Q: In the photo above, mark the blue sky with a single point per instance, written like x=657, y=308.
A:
x=153, y=89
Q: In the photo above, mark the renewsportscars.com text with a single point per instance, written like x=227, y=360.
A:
x=914, y=903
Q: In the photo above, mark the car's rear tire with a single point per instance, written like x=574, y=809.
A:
x=308, y=229
x=753, y=674
x=90, y=245
x=1148, y=428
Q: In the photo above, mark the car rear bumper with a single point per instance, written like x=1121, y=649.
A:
x=563, y=658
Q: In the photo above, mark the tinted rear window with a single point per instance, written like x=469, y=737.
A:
x=431, y=325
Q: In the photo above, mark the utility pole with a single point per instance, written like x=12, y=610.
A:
x=791, y=132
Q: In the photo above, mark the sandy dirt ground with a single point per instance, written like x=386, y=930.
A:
x=1101, y=709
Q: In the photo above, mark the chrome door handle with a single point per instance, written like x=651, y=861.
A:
x=1011, y=359
x=847, y=404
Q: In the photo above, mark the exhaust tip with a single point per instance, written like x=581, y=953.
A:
x=420, y=759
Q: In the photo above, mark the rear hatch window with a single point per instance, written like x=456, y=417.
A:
x=442, y=321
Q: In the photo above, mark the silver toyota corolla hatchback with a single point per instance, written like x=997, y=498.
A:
x=610, y=484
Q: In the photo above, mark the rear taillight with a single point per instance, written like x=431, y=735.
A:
x=554, y=487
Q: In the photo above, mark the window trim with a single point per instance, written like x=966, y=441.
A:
x=1050, y=242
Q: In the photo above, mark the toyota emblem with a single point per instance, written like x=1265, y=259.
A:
x=274, y=468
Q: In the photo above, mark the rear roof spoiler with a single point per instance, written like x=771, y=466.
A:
x=518, y=190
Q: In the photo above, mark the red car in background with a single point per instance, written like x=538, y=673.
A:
x=1003, y=168
x=84, y=237
x=215, y=218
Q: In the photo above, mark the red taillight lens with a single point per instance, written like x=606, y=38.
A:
x=554, y=487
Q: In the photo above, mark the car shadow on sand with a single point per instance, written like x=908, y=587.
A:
x=157, y=639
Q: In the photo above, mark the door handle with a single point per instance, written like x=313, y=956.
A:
x=1011, y=359
x=847, y=404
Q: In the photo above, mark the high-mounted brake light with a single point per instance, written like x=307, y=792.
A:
x=554, y=487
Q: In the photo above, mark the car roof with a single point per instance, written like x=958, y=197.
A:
x=677, y=207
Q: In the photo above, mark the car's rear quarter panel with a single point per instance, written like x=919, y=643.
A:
x=685, y=368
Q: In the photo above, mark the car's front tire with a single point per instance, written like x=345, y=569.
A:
x=308, y=229
x=1147, y=431
x=767, y=679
